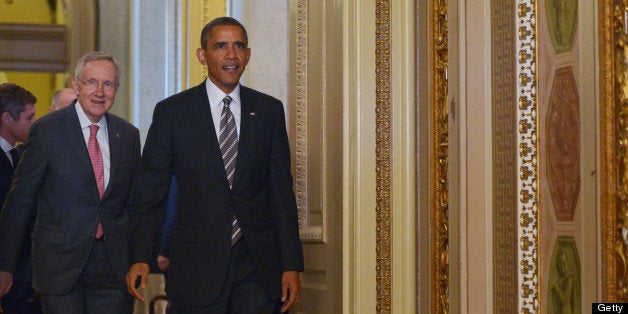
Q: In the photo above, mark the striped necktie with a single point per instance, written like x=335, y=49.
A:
x=228, y=138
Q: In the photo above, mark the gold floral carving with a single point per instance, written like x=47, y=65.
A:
x=608, y=202
x=439, y=155
x=614, y=135
x=205, y=17
x=383, y=153
x=609, y=20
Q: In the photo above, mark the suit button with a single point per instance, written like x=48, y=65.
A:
x=233, y=197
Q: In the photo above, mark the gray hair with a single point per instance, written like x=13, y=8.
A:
x=94, y=56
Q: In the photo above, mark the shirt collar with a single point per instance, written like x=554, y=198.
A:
x=5, y=145
x=84, y=120
x=216, y=95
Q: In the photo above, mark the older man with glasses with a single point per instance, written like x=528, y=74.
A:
x=79, y=168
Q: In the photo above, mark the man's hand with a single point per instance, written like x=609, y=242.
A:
x=6, y=281
x=290, y=290
x=137, y=270
x=163, y=262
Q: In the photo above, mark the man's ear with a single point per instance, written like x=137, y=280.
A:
x=200, y=54
x=6, y=118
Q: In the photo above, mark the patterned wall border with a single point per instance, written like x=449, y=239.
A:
x=301, y=156
x=383, y=153
x=504, y=166
x=527, y=157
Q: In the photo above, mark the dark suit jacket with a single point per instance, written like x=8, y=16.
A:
x=6, y=176
x=20, y=292
x=55, y=175
x=182, y=142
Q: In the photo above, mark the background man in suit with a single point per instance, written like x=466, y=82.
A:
x=62, y=98
x=216, y=267
x=79, y=168
x=17, y=113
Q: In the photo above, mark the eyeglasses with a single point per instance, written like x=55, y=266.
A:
x=93, y=84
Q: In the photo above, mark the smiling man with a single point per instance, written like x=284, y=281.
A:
x=77, y=172
x=235, y=244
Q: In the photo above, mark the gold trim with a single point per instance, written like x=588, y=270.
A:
x=383, y=145
x=614, y=149
x=439, y=156
x=607, y=148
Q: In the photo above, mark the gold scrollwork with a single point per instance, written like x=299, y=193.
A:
x=383, y=152
x=620, y=28
x=439, y=159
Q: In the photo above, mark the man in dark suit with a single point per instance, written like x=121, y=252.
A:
x=17, y=113
x=79, y=168
x=224, y=170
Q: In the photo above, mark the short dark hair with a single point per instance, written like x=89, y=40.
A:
x=13, y=99
x=225, y=20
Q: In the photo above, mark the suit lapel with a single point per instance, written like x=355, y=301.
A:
x=5, y=164
x=74, y=135
x=247, y=132
x=201, y=118
x=115, y=147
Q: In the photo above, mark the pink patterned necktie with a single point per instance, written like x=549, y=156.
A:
x=99, y=170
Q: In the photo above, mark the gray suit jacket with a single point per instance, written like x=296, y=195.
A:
x=55, y=176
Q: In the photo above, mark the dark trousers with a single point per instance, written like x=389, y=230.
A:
x=96, y=291
x=242, y=292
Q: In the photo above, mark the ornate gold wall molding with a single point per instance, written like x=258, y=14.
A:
x=383, y=153
x=439, y=159
x=614, y=146
x=527, y=161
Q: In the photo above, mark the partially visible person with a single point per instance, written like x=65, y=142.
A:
x=79, y=168
x=235, y=244
x=17, y=113
x=62, y=98
x=163, y=256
